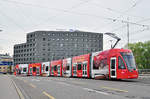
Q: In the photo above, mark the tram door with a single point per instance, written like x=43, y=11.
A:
x=58, y=70
x=84, y=69
x=75, y=69
x=38, y=71
x=30, y=71
x=113, y=67
x=79, y=69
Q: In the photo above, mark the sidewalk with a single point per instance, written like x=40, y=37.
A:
x=7, y=89
x=144, y=76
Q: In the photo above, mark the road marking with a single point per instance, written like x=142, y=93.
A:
x=33, y=86
x=35, y=80
x=64, y=83
x=18, y=90
x=109, y=88
x=77, y=82
x=25, y=81
x=92, y=90
x=48, y=95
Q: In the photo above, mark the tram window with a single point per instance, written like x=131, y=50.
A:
x=38, y=70
x=67, y=67
x=34, y=69
x=24, y=69
x=84, y=66
x=52, y=70
x=113, y=64
x=95, y=66
x=74, y=67
x=30, y=70
x=55, y=68
x=103, y=63
x=46, y=68
x=58, y=69
x=100, y=64
x=85, y=72
x=43, y=67
x=121, y=63
x=79, y=67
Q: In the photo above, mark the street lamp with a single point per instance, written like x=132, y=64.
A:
x=113, y=35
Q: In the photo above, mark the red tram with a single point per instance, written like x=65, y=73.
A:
x=81, y=66
x=21, y=69
x=34, y=69
x=113, y=63
x=56, y=68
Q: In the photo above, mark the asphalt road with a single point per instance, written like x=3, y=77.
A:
x=7, y=89
x=75, y=88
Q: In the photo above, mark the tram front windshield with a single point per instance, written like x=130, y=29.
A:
x=129, y=59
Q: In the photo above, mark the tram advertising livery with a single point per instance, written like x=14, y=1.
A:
x=113, y=63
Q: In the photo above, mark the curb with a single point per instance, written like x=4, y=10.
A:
x=18, y=90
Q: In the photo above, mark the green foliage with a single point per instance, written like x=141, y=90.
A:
x=141, y=53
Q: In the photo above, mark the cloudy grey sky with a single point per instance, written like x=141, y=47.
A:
x=19, y=17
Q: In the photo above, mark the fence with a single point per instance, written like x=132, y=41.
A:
x=144, y=71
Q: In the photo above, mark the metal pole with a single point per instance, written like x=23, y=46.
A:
x=128, y=31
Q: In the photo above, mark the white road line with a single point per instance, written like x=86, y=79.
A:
x=92, y=90
x=64, y=83
x=35, y=80
x=18, y=90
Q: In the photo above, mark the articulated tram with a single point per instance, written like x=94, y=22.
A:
x=110, y=64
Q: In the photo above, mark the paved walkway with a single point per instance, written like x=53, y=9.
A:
x=7, y=89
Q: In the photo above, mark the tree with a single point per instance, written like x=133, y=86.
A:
x=141, y=53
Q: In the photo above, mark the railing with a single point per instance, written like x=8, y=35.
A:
x=144, y=71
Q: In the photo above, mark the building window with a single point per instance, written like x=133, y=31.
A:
x=75, y=45
x=43, y=49
x=43, y=59
x=44, y=39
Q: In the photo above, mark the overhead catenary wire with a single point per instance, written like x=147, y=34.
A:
x=143, y=25
x=80, y=13
x=116, y=11
x=73, y=7
x=11, y=20
x=73, y=12
x=16, y=9
x=119, y=12
x=134, y=5
x=56, y=9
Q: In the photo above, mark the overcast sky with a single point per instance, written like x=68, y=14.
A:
x=19, y=17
